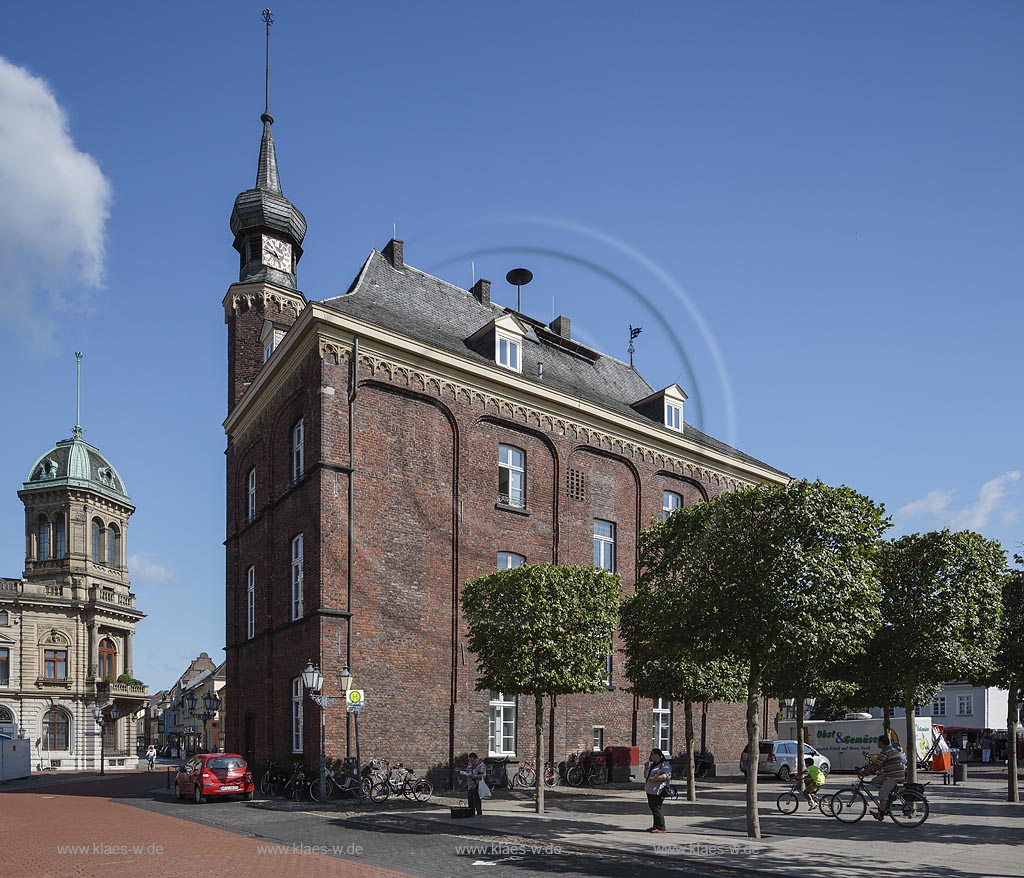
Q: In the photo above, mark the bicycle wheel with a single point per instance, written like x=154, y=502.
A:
x=379, y=792
x=314, y=790
x=849, y=805
x=908, y=808
x=526, y=776
x=599, y=775
x=825, y=806
x=422, y=790
x=265, y=783
x=574, y=776
x=787, y=803
x=551, y=776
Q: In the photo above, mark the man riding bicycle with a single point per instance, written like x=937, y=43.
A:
x=813, y=779
x=891, y=765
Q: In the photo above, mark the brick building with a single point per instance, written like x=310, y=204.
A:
x=388, y=445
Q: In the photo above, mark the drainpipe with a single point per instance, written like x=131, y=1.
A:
x=353, y=389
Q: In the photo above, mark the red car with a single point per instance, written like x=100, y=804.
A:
x=214, y=774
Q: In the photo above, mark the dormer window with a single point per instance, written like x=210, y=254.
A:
x=508, y=351
x=674, y=416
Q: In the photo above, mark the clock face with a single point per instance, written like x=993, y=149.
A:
x=277, y=254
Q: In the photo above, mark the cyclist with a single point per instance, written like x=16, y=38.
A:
x=891, y=766
x=813, y=778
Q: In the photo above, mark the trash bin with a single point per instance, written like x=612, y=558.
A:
x=960, y=772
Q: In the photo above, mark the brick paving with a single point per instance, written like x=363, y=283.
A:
x=70, y=828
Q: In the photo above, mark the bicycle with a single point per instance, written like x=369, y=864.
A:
x=497, y=774
x=527, y=775
x=351, y=785
x=789, y=801
x=585, y=768
x=907, y=805
x=296, y=785
x=401, y=781
x=273, y=779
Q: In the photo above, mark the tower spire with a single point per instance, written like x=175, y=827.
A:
x=267, y=177
x=77, y=432
x=268, y=17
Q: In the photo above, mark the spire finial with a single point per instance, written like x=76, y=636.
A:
x=268, y=17
x=78, y=398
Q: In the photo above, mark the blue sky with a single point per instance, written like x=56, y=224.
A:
x=814, y=211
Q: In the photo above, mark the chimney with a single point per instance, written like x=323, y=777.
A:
x=393, y=254
x=482, y=291
x=560, y=326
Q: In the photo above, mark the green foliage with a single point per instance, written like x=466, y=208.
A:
x=941, y=602
x=542, y=630
x=769, y=573
x=1007, y=669
x=660, y=663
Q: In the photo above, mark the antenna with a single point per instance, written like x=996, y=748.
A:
x=78, y=397
x=519, y=278
x=268, y=17
x=633, y=333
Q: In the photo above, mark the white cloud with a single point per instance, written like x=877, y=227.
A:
x=56, y=204
x=143, y=567
x=989, y=503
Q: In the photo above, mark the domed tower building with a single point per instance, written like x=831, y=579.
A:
x=67, y=626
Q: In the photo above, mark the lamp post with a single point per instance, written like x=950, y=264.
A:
x=211, y=704
x=313, y=680
x=103, y=721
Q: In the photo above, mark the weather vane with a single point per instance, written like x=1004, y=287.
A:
x=78, y=397
x=268, y=17
x=633, y=333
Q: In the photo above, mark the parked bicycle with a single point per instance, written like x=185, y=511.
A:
x=789, y=801
x=342, y=782
x=907, y=805
x=273, y=778
x=527, y=775
x=585, y=768
x=401, y=781
x=497, y=773
x=297, y=783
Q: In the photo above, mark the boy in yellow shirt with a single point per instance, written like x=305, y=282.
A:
x=813, y=778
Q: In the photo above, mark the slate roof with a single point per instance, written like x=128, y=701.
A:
x=427, y=309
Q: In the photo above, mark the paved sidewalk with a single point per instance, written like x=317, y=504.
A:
x=971, y=831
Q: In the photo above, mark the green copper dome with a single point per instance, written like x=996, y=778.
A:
x=75, y=463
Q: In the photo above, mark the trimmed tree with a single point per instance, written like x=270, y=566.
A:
x=660, y=664
x=744, y=569
x=941, y=606
x=542, y=630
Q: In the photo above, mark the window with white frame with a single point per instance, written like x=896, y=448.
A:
x=598, y=735
x=939, y=705
x=511, y=475
x=508, y=351
x=604, y=545
x=670, y=502
x=508, y=560
x=965, y=705
x=297, y=715
x=251, y=495
x=673, y=416
x=298, y=451
x=661, y=727
x=297, y=577
x=608, y=671
x=250, y=603
x=501, y=733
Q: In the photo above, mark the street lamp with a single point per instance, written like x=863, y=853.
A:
x=104, y=721
x=211, y=703
x=313, y=680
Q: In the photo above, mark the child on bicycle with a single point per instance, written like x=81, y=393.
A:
x=813, y=779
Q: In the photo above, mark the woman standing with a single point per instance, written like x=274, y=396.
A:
x=657, y=773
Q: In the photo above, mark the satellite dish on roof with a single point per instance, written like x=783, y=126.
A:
x=519, y=278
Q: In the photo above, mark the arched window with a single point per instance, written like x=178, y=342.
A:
x=43, y=546
x=113, y=545
x=60, y=537
x=56, y=729
x=5, y=618
x=108, y=658
x=98, y=533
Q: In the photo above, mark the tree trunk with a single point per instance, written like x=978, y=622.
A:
x=753, y=750
x=540, y=753
x=887, y=718
x=910, y=744
x=799, y=702
x=1012, y=793
x=691, y=765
